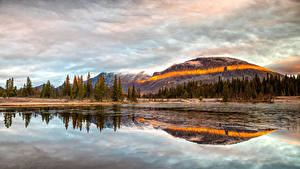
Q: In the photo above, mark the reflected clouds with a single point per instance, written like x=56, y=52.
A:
x=58, y=138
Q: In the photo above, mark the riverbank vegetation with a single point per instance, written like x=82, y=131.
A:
x=78, y=90
x=235, y=90
x=255, y=90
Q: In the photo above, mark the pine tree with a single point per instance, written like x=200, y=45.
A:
x=10, y=88
x=67, y=87
x=102, y=87
x=2, y=92
x=115, y=92
x=85, y=89
x=185, y=95
x=28, y=88
x=225, y=93
x=7, y=87
x=97, y=90
x=120, y=90
x=133, y=95
x=55, y=93
x=22, y=91
x=75, y=88
x=89, y=87
x=129, y=95
x=82, y=90
x=139, y=93
x=47, y=90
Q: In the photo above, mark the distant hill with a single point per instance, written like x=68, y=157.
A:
x=126, y=78
x=206, y=69
x=40, y=87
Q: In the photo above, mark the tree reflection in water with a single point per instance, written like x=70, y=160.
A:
x=77, y=117
x=113, y=117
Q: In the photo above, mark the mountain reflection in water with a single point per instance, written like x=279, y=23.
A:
x=209, y=135
x=160, y=136
x=113, y=117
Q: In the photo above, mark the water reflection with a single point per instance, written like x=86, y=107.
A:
x=102, y=118
x=138, y=137
x=204, y=135
x=114, y=117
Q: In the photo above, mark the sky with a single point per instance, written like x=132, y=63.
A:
x=48, y=39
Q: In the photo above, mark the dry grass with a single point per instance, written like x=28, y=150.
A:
x=38, y=102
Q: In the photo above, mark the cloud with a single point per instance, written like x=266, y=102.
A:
x=49, y=39
x=287, y=66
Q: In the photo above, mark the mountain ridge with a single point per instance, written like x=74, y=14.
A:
x=206, y=69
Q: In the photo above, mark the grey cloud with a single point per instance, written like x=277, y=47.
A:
x=61, y=37
x=287, y=66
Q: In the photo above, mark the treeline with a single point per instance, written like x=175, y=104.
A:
x=79, y=89
x=12, y=91
x=235, y=89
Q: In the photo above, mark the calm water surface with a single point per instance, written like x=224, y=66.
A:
x=174, y=136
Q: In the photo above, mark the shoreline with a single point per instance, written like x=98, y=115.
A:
x=39, y=102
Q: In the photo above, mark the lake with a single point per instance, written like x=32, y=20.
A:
x=151, y=136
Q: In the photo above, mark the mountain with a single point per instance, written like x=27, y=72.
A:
x=206, y=69
x=127, y=78
x=40, y=87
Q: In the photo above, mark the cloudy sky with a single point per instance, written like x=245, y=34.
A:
x=47, y=39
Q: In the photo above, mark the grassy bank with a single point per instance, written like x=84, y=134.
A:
x=37, y=102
